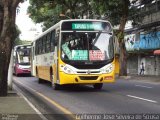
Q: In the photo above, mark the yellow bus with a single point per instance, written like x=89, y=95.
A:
x=78, y=51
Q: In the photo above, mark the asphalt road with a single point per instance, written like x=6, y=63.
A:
x=122, y=97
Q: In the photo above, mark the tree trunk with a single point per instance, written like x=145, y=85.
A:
x=3, y=81
x=123, y=58
x=7, y=37
x=5, y=51
x=123, y=53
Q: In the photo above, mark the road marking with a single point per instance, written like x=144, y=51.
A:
x=143, y=86
x=148, y=82
x=142, y=98
x=31, y=105
x=64, y=110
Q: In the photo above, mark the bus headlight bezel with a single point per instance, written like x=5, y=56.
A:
x=107, y=69
x=67, y=69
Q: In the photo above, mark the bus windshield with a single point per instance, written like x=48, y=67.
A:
x=87, y=46
x=23, y=56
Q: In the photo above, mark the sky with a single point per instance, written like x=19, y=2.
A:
x=29, y=30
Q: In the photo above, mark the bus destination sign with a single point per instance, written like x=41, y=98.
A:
x=86, y=26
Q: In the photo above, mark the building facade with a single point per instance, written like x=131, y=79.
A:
x=142, y=40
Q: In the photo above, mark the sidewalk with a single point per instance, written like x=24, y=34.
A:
x=15, y=107
x=147, y=78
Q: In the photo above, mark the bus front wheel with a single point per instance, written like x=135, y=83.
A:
x=98, y=86
x=56, y=86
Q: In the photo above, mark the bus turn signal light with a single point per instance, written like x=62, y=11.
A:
x=108, y=78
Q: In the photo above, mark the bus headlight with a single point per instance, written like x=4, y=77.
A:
x=67, y=70
x=20, y=67
x=107, y=69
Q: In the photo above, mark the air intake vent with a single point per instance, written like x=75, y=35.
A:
x=82, y=72
x=88, y=77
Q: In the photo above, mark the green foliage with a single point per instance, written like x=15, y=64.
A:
x=48, y=11
x=18, y=32
x=118, y=12
x=112, y=10
x=43, y=12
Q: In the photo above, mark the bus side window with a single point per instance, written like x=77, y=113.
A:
x=33, y=52
x=56, y=37
x=36, y=47
x=48, y=42
x=43, y=44
x=40, y=46
x=52, y=41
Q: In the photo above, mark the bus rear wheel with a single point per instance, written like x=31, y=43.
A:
x=40, y=80
x=98, y=86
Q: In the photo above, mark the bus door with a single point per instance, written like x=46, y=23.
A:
x=32, y=59
x=56, y=54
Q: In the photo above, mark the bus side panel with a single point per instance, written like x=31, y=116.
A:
x=44, y=64
x=54, y=66
x=43, y=72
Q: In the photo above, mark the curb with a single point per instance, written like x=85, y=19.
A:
x=123, y=77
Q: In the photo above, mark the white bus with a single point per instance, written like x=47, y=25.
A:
x=75, y=51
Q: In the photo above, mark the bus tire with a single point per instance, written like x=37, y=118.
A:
x=56, y=86
x=98, y=86
x=51, y=74
x=40, y=81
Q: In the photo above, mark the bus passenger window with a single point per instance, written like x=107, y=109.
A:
x=52, y=41
x=48, y=43
x=40, y=46
x=43, y=44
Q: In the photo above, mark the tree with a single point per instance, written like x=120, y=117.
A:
x=44, y=11
x=7, y=37
x=48, y=11
x=17, y=39
x=118, y=12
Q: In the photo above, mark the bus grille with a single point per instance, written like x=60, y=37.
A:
x=88, y=77
x=86, y=72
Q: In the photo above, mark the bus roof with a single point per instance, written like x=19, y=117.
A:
x=60, y=22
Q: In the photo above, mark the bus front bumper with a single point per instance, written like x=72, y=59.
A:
x=86, y=78
x=23, y=71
